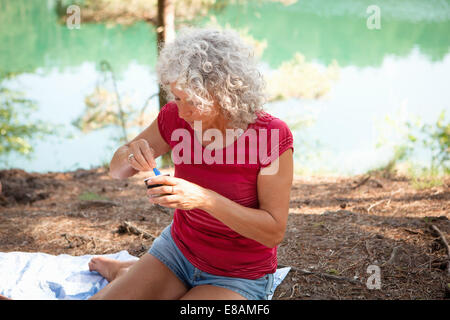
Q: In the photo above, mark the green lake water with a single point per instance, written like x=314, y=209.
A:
x=401, y=69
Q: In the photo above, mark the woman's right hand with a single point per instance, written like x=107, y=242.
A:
x=143, y=155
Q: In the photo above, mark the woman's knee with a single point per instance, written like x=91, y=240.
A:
x=148, y=278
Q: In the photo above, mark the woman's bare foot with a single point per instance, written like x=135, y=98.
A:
x=109, y=268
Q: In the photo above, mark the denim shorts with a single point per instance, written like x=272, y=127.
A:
x=165, y=250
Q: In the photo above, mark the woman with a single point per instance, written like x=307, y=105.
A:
x=231, y=210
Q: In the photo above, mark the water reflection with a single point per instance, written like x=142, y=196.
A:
x=405, y=63
x=328, y=29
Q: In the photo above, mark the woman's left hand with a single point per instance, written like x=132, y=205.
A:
x=179, y=193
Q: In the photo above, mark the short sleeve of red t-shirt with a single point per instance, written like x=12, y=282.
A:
x=279, y=138
x=168, y=121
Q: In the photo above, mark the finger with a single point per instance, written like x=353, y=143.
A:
x=134, y=150
x=161, y=190
x=167, y=180
x=148, y=154
x=141, y=160
x=135, y=164
x=166, y=201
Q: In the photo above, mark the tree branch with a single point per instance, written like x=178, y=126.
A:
x=444, y=241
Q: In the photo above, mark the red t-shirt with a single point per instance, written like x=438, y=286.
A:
x=206, y=242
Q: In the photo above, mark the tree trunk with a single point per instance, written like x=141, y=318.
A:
x=165, y=31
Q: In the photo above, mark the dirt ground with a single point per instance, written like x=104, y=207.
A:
x=338, y=229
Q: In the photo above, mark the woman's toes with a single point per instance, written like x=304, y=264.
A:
x=105, y=266
x=92, y=264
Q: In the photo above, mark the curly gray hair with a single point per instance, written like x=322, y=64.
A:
x=210, y=64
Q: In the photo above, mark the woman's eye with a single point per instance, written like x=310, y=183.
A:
x=177, y=99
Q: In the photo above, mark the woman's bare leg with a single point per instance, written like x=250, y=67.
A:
x=147, y=278
x=209, y=292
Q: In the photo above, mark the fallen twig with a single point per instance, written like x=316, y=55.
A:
x=353, y=265
x=444, y=241
x=79, y=237
x=368, y=249
x=393, y=256
x=396, y=191
x=377, y=183
x=375, y=204
x=293, y=290
x=362, y=182
x=127, y=227
x=412, y=231
x=282, y=294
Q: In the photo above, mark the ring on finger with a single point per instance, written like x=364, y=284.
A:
x=130, y=156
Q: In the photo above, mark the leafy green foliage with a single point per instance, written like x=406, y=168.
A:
x=434, y=137
x=300, y=79
x=415, y=135
x=16, y=128
x=107, y=108
x=424, y=178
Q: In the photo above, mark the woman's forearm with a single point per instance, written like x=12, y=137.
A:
x=256, y=224
x=119, y=167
